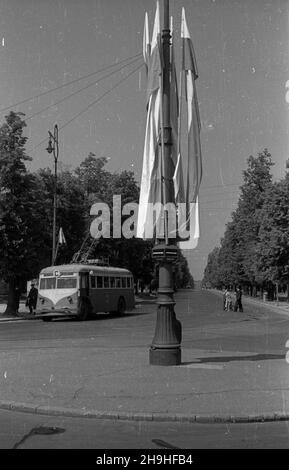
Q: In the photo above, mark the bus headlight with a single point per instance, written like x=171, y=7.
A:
x=70, y=300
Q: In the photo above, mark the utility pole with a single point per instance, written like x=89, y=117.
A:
x=54, y=147
x=165, y=349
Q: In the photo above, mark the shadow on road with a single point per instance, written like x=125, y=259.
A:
x=255, y=357
x=98, y=317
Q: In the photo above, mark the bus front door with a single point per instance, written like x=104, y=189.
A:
x=84, y=284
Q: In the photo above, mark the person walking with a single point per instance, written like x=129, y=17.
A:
x=32, y=298
x=224, y=298
x=238, y=302
x=229, y=301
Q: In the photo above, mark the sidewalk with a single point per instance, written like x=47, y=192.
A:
x=70, y=377
x=274, y=306
x=23, y=313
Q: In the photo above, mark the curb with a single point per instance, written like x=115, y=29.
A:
x=7, y=319
x=129, y=416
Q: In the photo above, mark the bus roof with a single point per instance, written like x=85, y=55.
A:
x=84, y=268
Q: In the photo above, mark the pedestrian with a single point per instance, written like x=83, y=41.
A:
x=238, y=302
x=17, y=297
x=154, y=286
x=32, y=299
x=229, y=301
x=224, y=298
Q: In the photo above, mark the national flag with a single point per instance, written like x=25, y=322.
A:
x=194, y=159
x=61, y=237
x=146, y=42
x=151, y=171
x=194, y=162
x=175, y=105
x=154, y=60
x=179, y=181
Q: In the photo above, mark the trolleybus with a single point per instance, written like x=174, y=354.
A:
x=82, y=290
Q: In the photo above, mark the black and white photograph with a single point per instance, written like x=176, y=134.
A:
x=144, y=230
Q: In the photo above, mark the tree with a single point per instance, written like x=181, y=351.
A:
x=93, y=178
x=236, y=260
x=273, y=244
x=72, y=211
x=211, y=273
x=21, y=224
x=182, y=277
x=257, y=182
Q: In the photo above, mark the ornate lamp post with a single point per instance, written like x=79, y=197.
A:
x=166, y=345
x=53, y=147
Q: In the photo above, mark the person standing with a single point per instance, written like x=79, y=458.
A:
x=229, y=301
x=238, y=303
x=224, y=298
x=17, y=297
x=32, y=298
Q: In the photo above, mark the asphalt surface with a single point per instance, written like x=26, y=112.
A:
x=233, y=367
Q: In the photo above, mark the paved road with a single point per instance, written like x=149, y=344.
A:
x=28, y=431
x=229, y=361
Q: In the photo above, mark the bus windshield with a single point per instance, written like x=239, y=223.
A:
x=62, y=283
x=66, y=283
x=47, y=283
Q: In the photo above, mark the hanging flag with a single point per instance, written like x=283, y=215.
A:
x=179, y=181
x=150, y=191
x=194, y=162
x=154, y=60
x=194, y=159
x=61, y=237
x=146, y=42
x=175, y=107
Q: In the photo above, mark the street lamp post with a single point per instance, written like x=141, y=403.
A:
x=165, y=349
x=53, y=147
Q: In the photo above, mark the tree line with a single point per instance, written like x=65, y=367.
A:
x=254, y=251
x=26, y=215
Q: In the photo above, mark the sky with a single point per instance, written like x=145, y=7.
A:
x=241, y=49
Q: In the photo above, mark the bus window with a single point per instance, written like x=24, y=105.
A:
x=112, y=282
x=92, y=282
x=123, y=282
x=66, y=283
x=106, y=281
x=48, y=283
x=99, y=282
x=117, y=282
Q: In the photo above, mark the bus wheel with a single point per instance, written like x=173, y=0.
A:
x=83, y=312
x=121, y=306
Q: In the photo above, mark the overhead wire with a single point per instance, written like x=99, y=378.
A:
x=92, y=103
x=102, y=96
x=81, y=89
x=69, y=83
x=221, y=185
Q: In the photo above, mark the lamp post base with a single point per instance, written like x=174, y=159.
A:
x=165, y=356
x=165, y=349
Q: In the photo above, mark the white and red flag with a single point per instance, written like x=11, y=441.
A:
x=194, y=156
x=151, y=170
